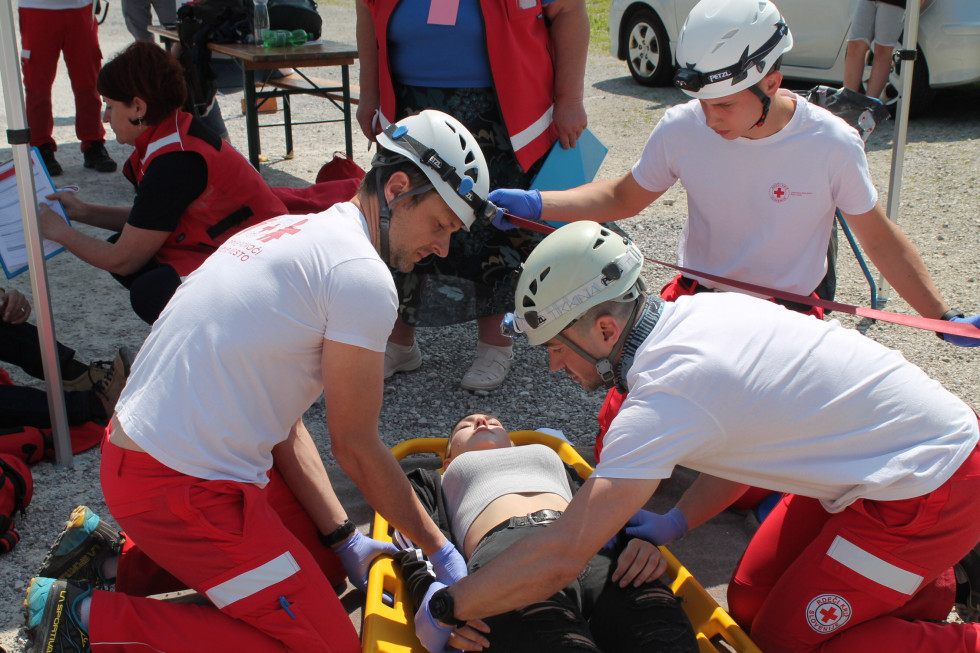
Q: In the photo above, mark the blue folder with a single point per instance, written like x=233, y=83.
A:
x=563, y=169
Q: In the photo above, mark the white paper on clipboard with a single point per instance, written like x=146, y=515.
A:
x=13, y=245
x=564, y=169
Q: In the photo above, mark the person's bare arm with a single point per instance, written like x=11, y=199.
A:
x=353, y=379
x=131, y=251
x=708, y=496
x=301, y=467
x=367, y=55
x=600, y=201
x=569, y=31
x=541, y=564
x=102, y=216
x=898, y=261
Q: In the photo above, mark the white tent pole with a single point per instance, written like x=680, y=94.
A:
x=19, y=139
x=906, y=55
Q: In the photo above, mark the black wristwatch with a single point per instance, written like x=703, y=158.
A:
x=441, y=607
x=947, y=316
x=340, y=534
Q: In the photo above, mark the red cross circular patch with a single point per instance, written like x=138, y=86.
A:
x=828, y=612
x=779, y=192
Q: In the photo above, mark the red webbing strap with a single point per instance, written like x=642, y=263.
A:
x=929, y=324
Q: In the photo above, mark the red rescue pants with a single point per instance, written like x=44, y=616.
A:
x=44, y=35
x=856, y=580
x=224, y=540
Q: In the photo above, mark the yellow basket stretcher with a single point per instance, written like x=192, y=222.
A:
x=388, y=616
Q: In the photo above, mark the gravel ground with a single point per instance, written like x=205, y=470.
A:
x=940, y=211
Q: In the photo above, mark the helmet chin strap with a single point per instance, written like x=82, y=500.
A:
x=766, y=103
x=604, y=366
x=384, y=212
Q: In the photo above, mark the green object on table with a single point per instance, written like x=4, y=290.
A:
x=277, y=38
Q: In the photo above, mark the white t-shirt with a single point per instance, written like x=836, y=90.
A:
x=235, y=358
x=746, y=390
x=759, y=210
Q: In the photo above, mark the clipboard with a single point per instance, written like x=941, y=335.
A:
x=563, y=169
x=13, y=245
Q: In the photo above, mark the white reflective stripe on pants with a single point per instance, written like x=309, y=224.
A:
x=253, y=581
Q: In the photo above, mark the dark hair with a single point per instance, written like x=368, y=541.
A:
x=146, y=71
x=370, y=182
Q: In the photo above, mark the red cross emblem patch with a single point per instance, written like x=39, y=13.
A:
x=778, y=192
x=828, y=612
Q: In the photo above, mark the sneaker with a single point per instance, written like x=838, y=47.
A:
x=399, y=358
x=111, y=385
x=51, y=163
x=489, y=368
x=81, y=548
x=97, y=157
x=47, y=602
x=967, y=573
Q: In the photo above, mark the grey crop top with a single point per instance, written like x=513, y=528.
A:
x=476, y=478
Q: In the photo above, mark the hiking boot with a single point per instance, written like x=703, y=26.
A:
x=81, y=548
x=967, y=573
x=47, y=602
x=399, y=358
x=111, y=385
x=97, y=157
x=489, y=368
x=51, y=163
x=98, y=370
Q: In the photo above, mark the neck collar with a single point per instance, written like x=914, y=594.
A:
x=644, y=325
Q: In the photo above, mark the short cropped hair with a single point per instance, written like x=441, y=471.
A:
x=619, y=310
x=370, y=182
x=147, y=71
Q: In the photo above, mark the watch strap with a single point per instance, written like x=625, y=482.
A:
x=947, y=316
x=442, y=606
x=339, y=534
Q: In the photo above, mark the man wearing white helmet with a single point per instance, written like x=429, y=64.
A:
x=764, y=171
x=882, y=462
x=292, y=308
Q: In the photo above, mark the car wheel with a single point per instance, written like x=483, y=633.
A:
x=647, y=49
x=920, y=96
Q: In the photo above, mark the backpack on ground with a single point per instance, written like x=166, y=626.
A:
x=16, y=490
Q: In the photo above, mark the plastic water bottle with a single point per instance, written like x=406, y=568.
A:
x=278, y=38
x=260, y=21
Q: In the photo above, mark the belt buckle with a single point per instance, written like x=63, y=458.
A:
x=543, y=520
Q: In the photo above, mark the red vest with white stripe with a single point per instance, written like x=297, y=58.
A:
x=236, y=196
x=521, y=61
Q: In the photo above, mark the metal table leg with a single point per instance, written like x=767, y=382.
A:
x=251, y=117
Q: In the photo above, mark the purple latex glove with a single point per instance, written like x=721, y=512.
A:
x=962, y=341
x=658, y=529
x=356, y=554
x=522, y=203
x=433, y=635
x=448, y=563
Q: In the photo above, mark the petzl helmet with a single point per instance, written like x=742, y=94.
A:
x=448, y=155
x=727, y=46
x=581, y=265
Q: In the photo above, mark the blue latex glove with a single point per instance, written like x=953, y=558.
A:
x=522, y=203
x=963, y=341
x=448, y=563
x=433, y=635
x=658, y=529
x=356, y=554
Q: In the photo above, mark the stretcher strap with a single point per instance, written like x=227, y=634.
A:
x=929, y=324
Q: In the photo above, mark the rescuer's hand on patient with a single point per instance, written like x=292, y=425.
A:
x=448, y=563
x=658, y=529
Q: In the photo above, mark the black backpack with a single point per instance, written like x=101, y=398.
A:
x=200, y=23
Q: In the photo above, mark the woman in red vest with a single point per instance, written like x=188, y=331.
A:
x=193, y=190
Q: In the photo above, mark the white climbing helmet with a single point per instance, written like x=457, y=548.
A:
x=727, y=46
x=449, y=156
x=579, y=266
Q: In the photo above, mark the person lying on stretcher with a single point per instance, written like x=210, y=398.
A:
x=494, y=494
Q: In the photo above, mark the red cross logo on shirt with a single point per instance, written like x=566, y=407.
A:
x=279, y=233
x=778, y=192
x=828, y=612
